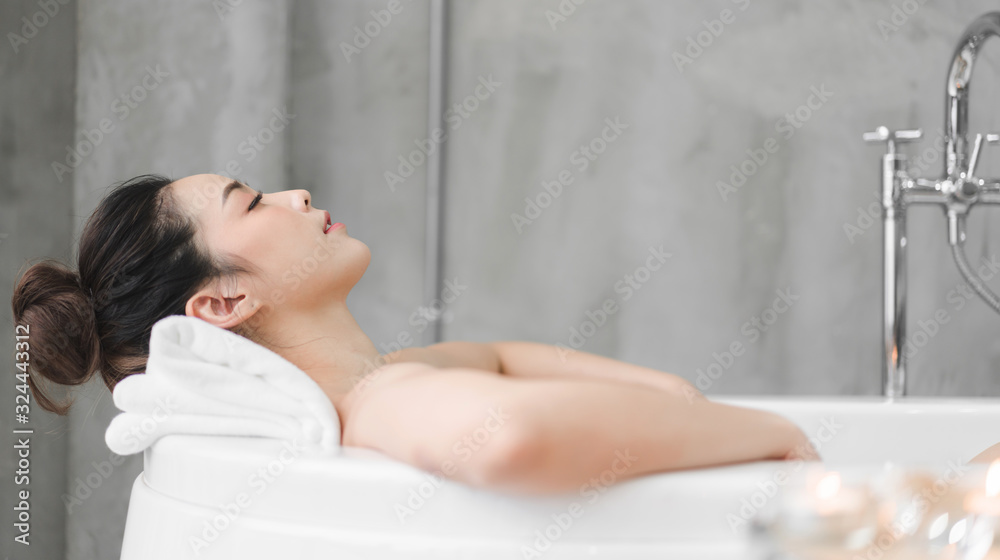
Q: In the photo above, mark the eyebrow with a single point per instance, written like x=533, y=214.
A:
x=230, y=188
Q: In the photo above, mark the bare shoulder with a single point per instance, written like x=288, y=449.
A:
x=988, y=455
x=398, y=391
x=382, y=377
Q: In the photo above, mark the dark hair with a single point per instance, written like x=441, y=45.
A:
x=139, y=262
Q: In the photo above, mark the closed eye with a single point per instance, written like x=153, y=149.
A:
x=255, y=200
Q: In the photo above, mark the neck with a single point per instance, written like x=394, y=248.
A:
x=327, y=344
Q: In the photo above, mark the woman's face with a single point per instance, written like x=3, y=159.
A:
x=300, y=266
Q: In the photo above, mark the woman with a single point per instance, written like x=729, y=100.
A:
x=513, y=416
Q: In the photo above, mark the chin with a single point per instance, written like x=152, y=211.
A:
x=366, y=255
x=350, y=265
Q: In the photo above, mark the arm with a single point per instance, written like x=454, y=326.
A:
x=425, y=416
x=544, y=435
x=449, y=354
x=581, y=429
x=532, y=359
x=987, y=455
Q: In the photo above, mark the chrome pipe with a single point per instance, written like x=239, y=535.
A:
x=958, y=191
x=989, y=191
x=957, y=96
x=434, y=221
x=894, y=276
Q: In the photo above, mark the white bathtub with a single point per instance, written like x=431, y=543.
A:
x=350, y=506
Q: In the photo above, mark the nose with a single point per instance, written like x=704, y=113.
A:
x=301, y=197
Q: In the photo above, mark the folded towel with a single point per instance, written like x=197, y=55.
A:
x=203, y=379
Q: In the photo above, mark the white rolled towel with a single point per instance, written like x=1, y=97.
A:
x=203, y=379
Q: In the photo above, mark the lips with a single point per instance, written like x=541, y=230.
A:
x=327, y=224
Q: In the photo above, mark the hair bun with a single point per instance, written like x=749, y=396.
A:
x=64, y=345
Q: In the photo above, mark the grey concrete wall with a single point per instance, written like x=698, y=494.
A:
x=37, y=76
x=363, y=107
x=530, y=91
x=657, y=184
x=183, y=86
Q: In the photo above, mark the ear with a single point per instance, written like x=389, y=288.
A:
x=225, y=311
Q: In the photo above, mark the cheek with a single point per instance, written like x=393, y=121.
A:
x=268, y=253
x=305, y=259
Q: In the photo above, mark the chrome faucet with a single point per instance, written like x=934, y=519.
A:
x=957, y=191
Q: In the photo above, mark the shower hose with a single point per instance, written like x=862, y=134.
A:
x=963, y=266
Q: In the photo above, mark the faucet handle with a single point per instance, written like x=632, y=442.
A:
x=891, y=137
x=991, y=138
